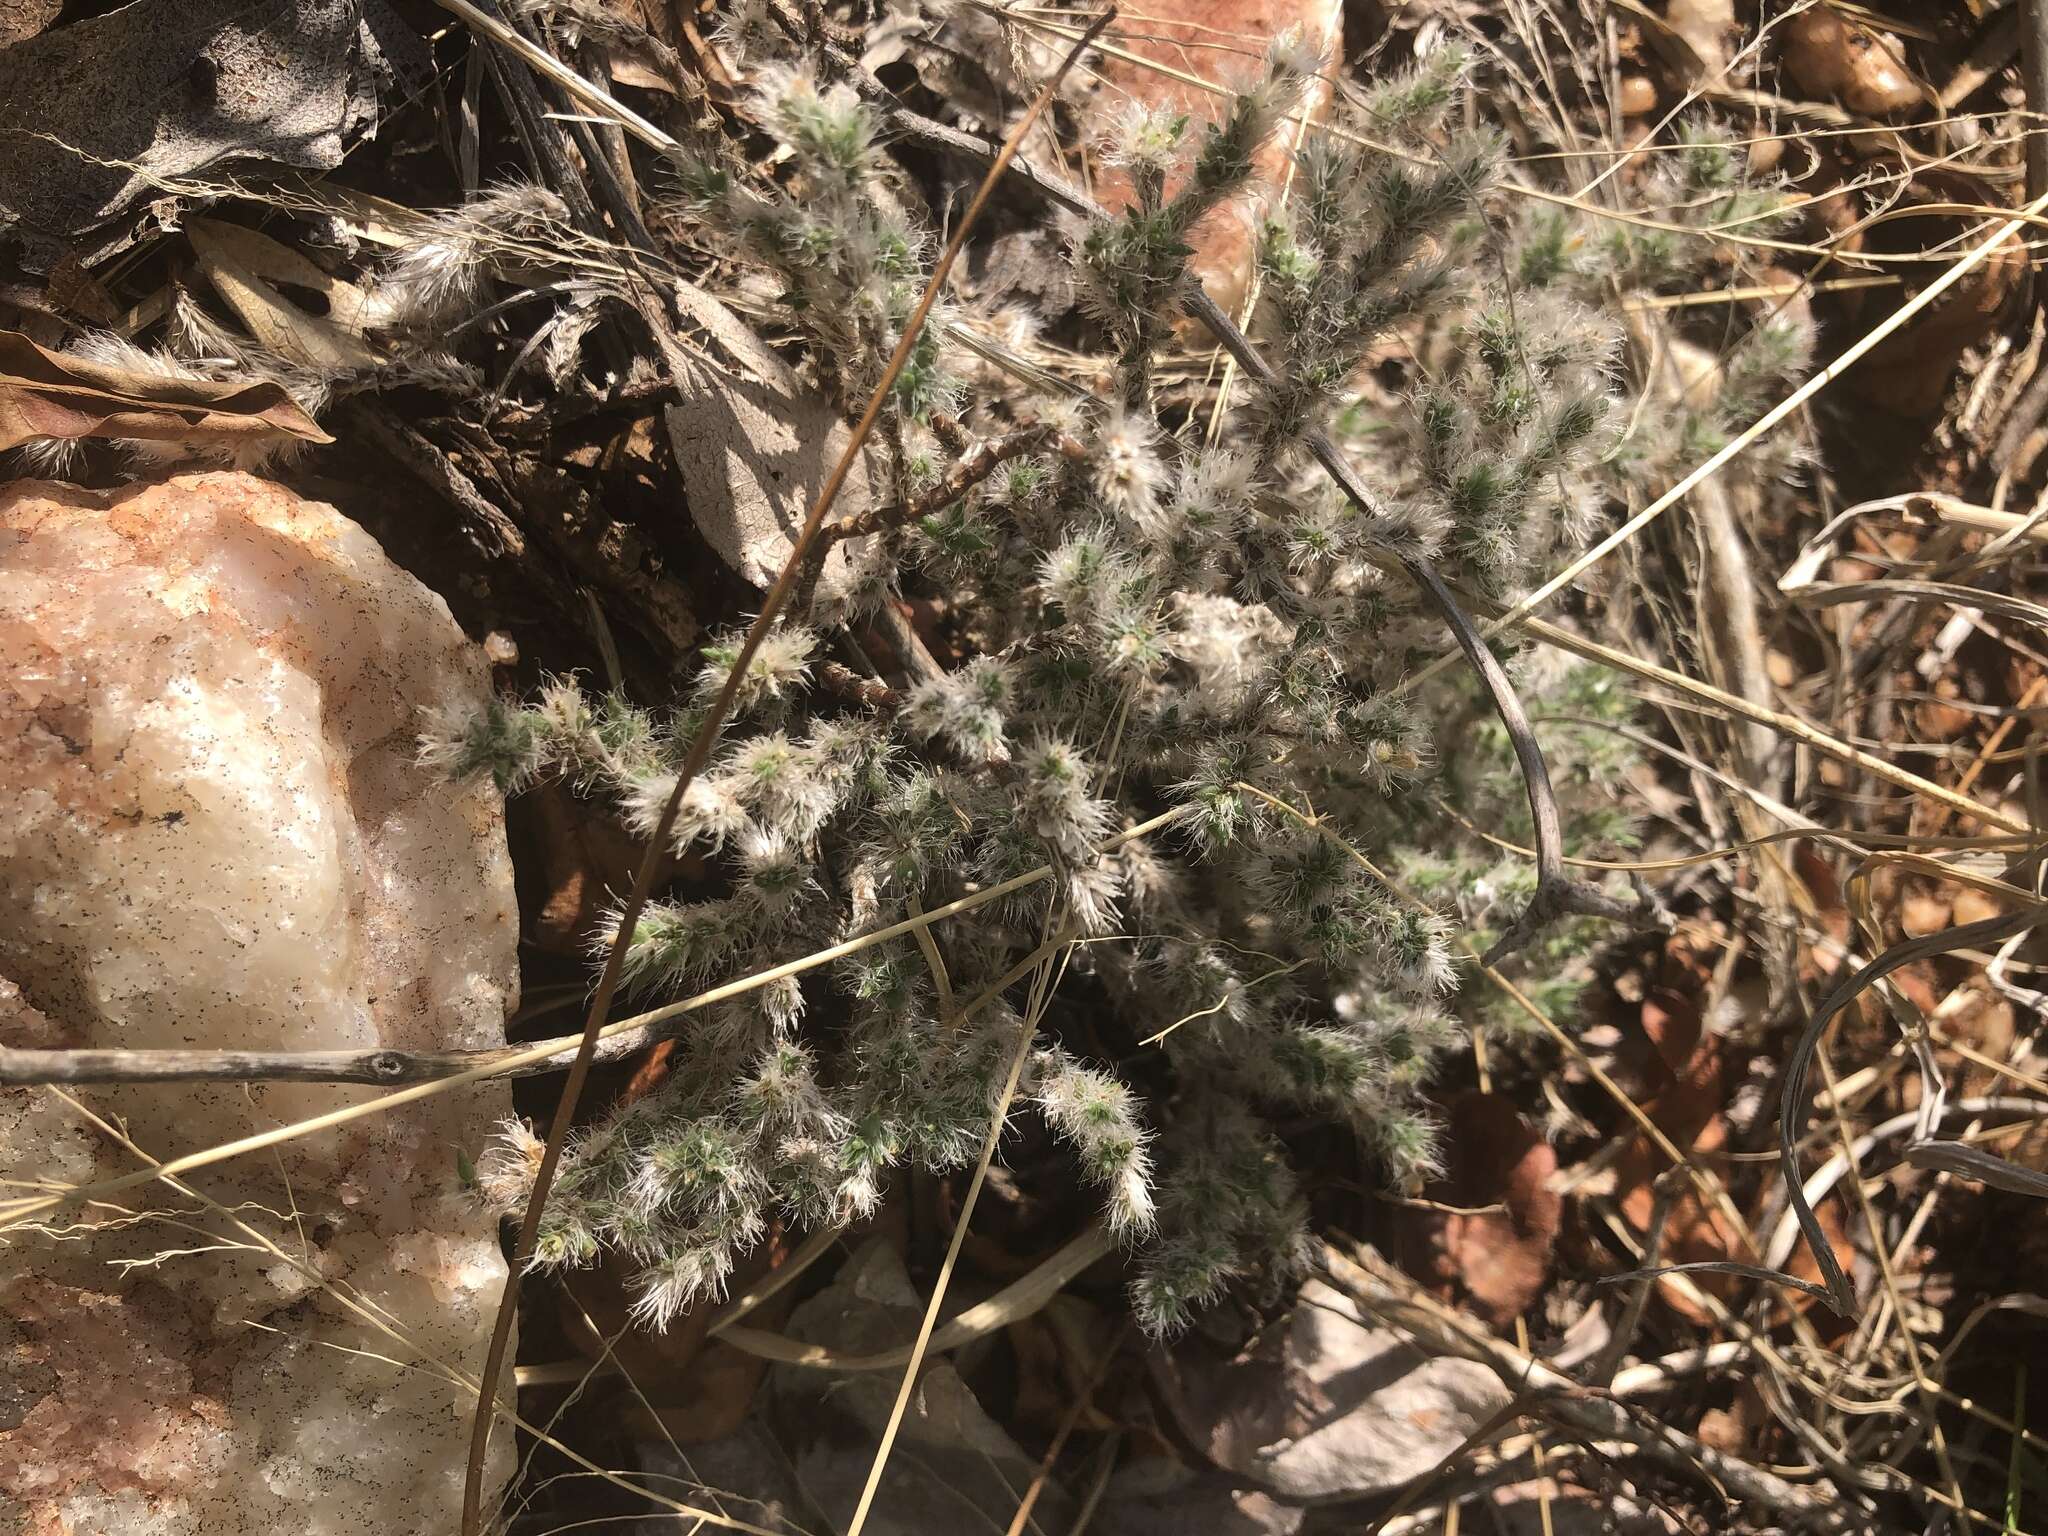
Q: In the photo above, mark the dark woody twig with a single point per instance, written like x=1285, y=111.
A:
x=973, y=467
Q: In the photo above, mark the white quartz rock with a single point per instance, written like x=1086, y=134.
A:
x=213, y=833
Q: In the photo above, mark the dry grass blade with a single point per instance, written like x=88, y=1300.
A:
x=1019, y=1299
x=999, y=1117
x=1970, y=1162
x=1777, y=720
x=693, y=764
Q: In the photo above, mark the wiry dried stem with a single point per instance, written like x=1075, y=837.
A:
x=973, y=467
x=1387, y=1295
x=27, y=1068
x=693, y=764
x=1557, y=893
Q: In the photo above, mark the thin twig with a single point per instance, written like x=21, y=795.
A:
x=1383, y=1292
x=22, y=1067
x=1792, y=1096
x=1068, y=1421
x=973, y=467
x=1601, y=1371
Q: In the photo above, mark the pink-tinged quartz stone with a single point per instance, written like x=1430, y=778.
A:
x=214, y=833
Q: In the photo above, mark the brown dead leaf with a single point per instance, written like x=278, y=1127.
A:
x=242, y=266
x=48, y=394
x=102, y=115
x=1828, y=54
x=1705, y=27
x=1493, y=1252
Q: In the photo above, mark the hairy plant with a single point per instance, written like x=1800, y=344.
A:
x=1709, y=370
x=1152, y=626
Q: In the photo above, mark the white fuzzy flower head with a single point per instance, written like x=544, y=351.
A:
x=510, y=1163
x=1292, y=56
x=1126, y=466
x=830, y=129
x=671, y=1285
x=1058, y=802
x=711, y=813
x=1145, y=138
x=780, y=667
x=1091, y=891
x=1416, y=950
x=1083, y=572
x=787, y=785
x=772, y=875
x=965, y=709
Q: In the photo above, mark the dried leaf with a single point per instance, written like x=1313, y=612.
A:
x=1975, y=1163
x=1324, y=1406
x=754, y=450
x=47, y=394
x=580, y=856
x=1704, y=26
x=349, y=307
x=1494, y=1251
x=1180, y=38
x=225, y=254
x=103, y=115
x=1018, y=1300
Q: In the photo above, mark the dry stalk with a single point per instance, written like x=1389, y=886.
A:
x=24, y=1067
x=1793, y=1093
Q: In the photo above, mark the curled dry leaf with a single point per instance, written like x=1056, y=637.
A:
x=1827, y=54
x=47, y=394
x=581, y=858
x=954, y=1467
x=1704, y=27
